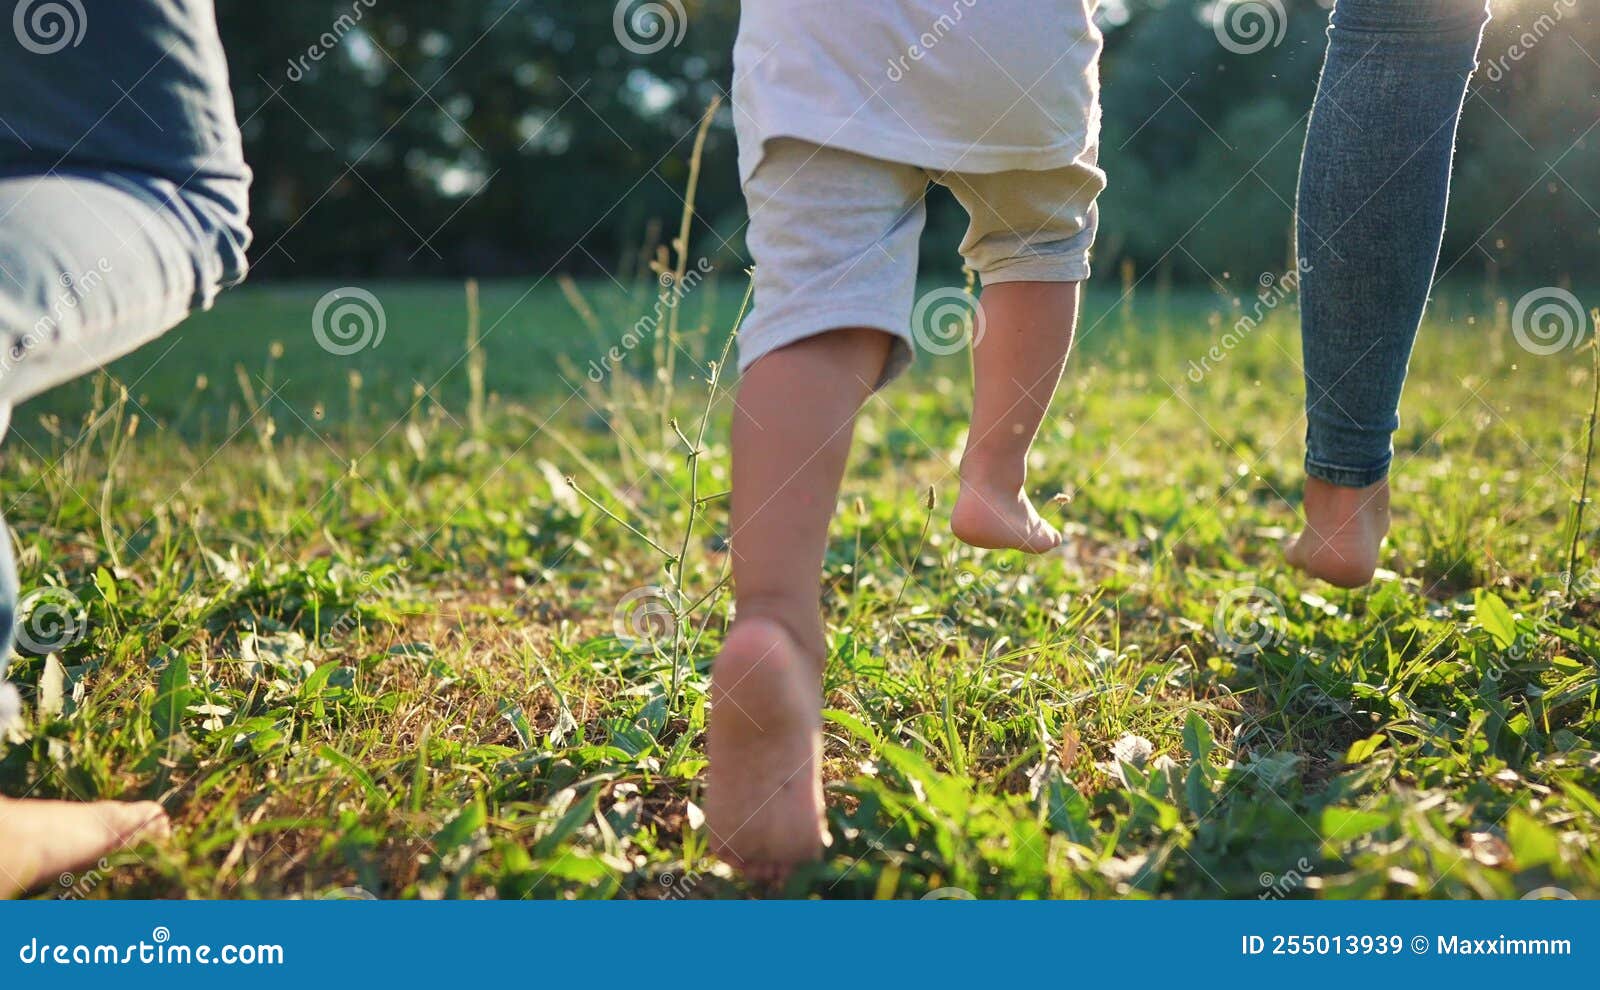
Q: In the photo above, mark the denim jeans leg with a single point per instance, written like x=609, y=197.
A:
x=1375, y=181
x=123, y=193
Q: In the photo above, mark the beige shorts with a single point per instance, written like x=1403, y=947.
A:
x=835, y=239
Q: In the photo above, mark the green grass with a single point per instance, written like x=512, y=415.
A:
x=351, y=641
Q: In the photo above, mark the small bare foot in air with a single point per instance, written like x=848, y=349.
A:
x=1344, y=531
x=764, y=804
x=43, y=840
x=992, y=518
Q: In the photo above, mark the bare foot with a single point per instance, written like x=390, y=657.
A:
x=991, y=518
x=764, y=794
x=43, y=840
x=1344, y=531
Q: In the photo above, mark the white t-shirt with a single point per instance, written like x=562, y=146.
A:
x=947, y=85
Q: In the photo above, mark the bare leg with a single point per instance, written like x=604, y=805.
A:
x=41, y=840
x=791, y=439
x=1028, y=328
x=1344, y=532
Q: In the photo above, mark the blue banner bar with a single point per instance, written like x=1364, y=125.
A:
x=245, y=944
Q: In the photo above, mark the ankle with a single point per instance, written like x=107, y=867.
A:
x=799, y=618
x=1325, y=499
x=1006, y=472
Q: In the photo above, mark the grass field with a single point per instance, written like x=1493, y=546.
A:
x=345, y=617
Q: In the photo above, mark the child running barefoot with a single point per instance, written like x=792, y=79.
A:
x=845, y=113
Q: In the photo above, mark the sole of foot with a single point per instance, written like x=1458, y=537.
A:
x=764, y=805
x=992, y=520
x=1344, y=533
x=41, y=841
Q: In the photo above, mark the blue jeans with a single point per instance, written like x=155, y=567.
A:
x=1373, y=189
x=123, y=192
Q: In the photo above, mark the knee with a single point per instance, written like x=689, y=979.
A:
x=220, y=222
x=34, y=305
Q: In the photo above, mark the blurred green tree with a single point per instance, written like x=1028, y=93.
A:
x=526, y=136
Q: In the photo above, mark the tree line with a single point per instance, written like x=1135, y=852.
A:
x=499, y=137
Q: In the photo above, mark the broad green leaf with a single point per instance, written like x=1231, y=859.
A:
x=853, y=725
x=1067, y=811
x=1532, y=844
x=1197, y=737
x=107, y=585
x=1344, y=824
x=173, y=696
x=581, y=812
x=1496, y=619
x=1362, y=749
x=462, y=827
